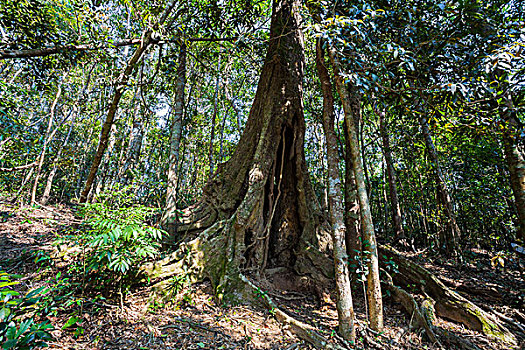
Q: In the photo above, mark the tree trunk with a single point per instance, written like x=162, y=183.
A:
x=353, y=242
x=106, y=160
x=345, y=308
x=47, y=138
x=375, y=302
x=52, y=173
x=169, y=217
x=452, y=232
x=514, y=156
x=214, y=118
x=259, y=210
x=394, y=201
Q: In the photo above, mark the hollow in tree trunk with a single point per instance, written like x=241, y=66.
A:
x=259, y=210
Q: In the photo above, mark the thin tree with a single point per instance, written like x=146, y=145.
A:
x=169, y=217
x=452, y=232
x=345, y=308
x=395, y=209
x=47, y=138
x=149, y=37
x=375, y=301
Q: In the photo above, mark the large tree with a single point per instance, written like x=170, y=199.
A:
x=259, y=210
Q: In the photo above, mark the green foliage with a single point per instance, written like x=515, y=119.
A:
x=114, y=238
x=18, y=329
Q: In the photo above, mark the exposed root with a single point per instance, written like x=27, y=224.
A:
x=448, y=303
x=302, y=330
x=451, y=340
x=417, y=318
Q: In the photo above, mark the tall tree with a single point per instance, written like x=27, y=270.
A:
x=259, y=210
x=392, y=187
x=169, y=217
x=375, y=301
x=345, y=308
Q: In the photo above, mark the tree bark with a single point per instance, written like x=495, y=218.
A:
x=353, y=242
x=513, y=148
x=453, y=234
x=375, y=302
x=47, y=138
x=392, y=187
x=345, y=308
x=213, y=119
x=120, y=86
x=259, y=210
x=169, y=217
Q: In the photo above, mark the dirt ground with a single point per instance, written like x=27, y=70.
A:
x=194, y=319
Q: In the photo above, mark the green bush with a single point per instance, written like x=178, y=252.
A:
x=114, y=238
x=18, y=329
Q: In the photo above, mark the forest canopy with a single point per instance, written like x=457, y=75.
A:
x=251, y=136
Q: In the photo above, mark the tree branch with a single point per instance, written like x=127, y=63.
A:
x=47, y=51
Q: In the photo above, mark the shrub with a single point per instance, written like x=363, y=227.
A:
x=114, y=239
x=18, y=329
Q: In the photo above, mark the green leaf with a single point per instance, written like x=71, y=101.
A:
x=9, y=344
x=24, y=326
x=71, y=322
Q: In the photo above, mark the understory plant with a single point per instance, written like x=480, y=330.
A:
x=114, y=240
x=18, y=328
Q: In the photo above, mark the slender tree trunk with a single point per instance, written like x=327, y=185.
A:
x=453, y=234
x=21, y=189
x=514, y=156
x=213, y=118
x=52, y=173
x=77, y=110
x=375, y=301
x=106, y=160
x=47, y=138
x=353, y=242
x=169, y=217
x=83, y=168
x=392, y=187
x=120, y=86
x=345, y=308
x=132, y=151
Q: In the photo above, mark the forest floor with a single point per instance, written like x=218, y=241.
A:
x=194, y=319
